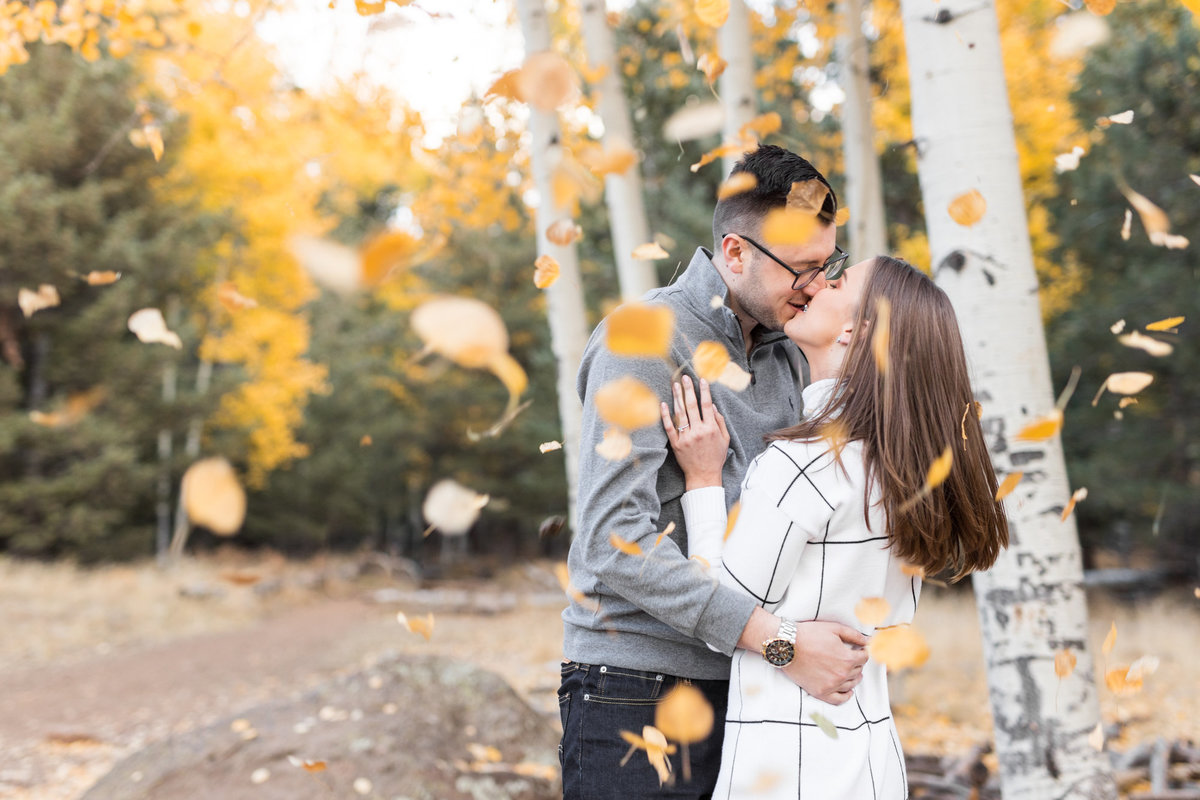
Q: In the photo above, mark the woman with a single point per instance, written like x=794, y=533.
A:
x=836, y=510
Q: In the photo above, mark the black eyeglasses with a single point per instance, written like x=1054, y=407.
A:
x=833, y=267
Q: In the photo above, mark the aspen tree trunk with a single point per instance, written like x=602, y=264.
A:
x=864, y=181
x=564, y=299
x=1032, y=603
x=738, y=96
x=622, y=193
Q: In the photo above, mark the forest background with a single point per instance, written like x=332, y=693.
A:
x=167, y=144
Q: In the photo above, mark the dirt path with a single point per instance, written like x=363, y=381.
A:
x=64, y=725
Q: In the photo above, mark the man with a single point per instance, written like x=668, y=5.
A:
x=645, y=623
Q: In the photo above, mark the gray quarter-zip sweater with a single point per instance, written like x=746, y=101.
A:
x=655, y=612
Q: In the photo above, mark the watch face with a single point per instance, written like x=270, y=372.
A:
x=779, y=652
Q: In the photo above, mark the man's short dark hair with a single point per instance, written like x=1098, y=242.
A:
x=776, y=169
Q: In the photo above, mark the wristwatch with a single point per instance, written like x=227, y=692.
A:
x=780, y=650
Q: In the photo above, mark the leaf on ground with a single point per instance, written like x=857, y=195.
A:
x=452, y=508
x=968, y=208
x=640, y=329
x=213, y=497
x=307, y=764
x=1008, y=484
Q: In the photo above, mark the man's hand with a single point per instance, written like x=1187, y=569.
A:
x=829, y=660
x=829, y=656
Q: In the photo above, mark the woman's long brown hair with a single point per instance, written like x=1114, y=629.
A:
x=906, y=414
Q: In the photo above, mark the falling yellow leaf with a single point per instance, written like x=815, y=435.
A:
x=1101, y=8
x=365, y=441
x=734, y=377
x=788, y=226
x=654, y=742
x=913, y=571
x=1126, y=401
x=612, y=161
x=732, y=519
x=825, y=724
x=97, y=278
x=149, y=137
x=712, y=66
x=593, y=75
x=1127, y=226
x=546, y=81
x=150, y=327
x=710, y=360
x=232, y=299
x=466, y=331
x=546, y=447
x=842, y=216
x=704, y=562
x=505, y=86
x=1118, y=682
x=615, y=445
x=1096, y=737
x=1117, y=326
x=528, y=769
x=712, y=13
x=484, y=752
x=384, y=254
x=564, y=232
x=452, y=508
x=308, y=765
x=1110, y=640
x=640, y=329
x=1008, y=484
x=650, y=251
x=1126, y=383
x=546, y=271
x=330, y=264
x=727, y=149
x=736, y=184
x=684, y=715
x=627, y=403
x=1080, y=494
x=1154, y=220
x=1123, y=118
x=1142, y=667
x=968, y=208
x=939, y=470
x=1064, y=663
x=32, y=302
x=762, y=126
x=1168, y=324
x=626, y=547
x=807, y=196
x=1140, y=341
x=881, y=341
x=419, y=625
x=666, y=532
x=213, y=497
x=897, y=648
x=872, y=611
x=1041, y=428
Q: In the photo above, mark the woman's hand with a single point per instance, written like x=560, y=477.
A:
x=701, y=440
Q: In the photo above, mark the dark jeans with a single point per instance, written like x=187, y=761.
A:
x=596, y=703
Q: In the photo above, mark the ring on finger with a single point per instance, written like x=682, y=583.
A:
x=684, y=427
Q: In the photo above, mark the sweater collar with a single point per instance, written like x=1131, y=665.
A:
x=701, y=282
x=816, y=395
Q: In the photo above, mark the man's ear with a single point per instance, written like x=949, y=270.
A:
x=733, y=251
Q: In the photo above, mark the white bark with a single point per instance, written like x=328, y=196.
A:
x=1032, y=603
x=622, y=193
x=736, y=84
x=564, y=299
x=864, y=181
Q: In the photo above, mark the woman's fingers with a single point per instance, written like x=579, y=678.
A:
x=668, y=424
x=689, y=399
x=681, y=414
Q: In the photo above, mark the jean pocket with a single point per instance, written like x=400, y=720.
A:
x=623, y=687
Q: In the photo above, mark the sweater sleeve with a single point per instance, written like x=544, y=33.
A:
x=788, y=499
x=621, y=499
x=705, y=519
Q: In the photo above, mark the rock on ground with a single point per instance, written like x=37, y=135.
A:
x=412, y=728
